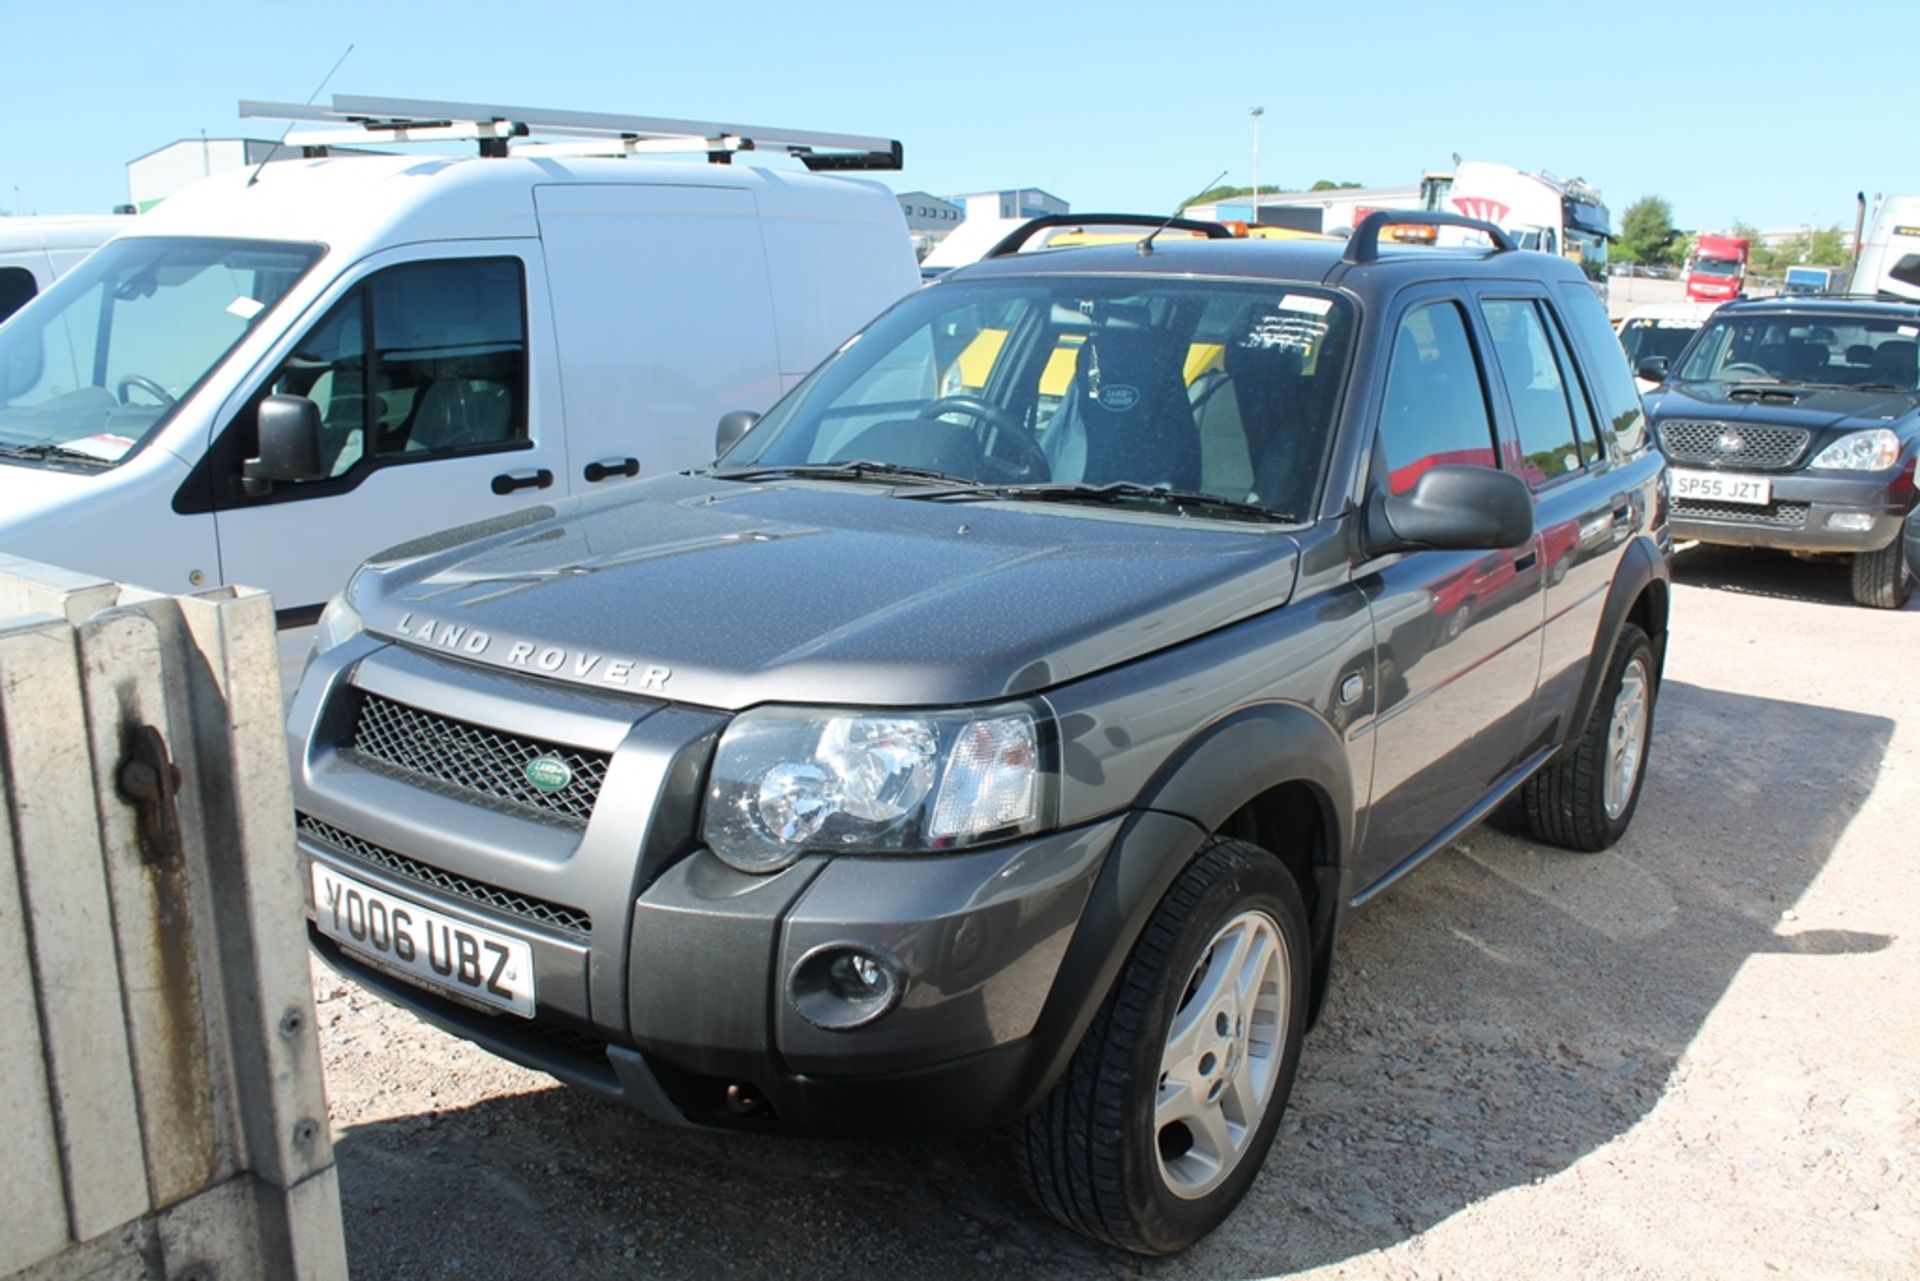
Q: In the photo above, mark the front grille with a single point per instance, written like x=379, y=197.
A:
x=1735, y=444
x=475, y=760
x=568, y=920
x=1782, y=515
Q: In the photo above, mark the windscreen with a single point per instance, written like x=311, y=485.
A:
x=94, y=366
x=1715, y=267
x=1223, y=389
x=1831, y=350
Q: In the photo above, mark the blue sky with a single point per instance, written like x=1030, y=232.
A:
x=1765, y=111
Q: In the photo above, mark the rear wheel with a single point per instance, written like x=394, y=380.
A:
x=1882, y=579
x=1171, y=1102
x=1585, y=799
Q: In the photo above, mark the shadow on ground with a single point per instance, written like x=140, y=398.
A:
x=1749, y=571
x=1500, y=1014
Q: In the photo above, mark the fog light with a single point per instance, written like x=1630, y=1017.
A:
x=841, y=986
x=1852, y=522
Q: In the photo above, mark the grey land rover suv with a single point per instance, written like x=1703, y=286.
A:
x=1000, y=731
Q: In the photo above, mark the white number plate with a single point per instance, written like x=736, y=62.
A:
x=440, y=950
x=1722, y=487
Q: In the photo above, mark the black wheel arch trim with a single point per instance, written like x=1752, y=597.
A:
x=1642, y=569
x=1216, y=773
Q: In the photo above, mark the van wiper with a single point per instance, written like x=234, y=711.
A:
x=1117, y=493
x=856, y=469
x=42, y=452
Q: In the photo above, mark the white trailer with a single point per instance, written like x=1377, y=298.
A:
x=1564, y=216
x=1889, y=262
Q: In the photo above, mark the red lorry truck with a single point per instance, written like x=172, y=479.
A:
x=1717, y=272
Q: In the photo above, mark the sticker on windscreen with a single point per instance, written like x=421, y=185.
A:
x=107, y=447
x=1307, y=303
x=246, y=308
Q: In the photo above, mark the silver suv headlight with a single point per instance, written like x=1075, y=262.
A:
x=1874, y=450
x=791, y=779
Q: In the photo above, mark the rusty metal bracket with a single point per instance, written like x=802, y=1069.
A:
x=148, y=780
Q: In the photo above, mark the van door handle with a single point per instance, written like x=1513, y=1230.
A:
x=507, y=482
x=597, y=472
x=1525, y=561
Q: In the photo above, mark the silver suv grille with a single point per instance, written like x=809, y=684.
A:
x=478, y=762
x=1736, y=444
x=539, y=911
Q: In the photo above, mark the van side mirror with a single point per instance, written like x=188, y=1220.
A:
x=290, y=447
x=1453, y=509
x=732, y=427
x=1651, y=368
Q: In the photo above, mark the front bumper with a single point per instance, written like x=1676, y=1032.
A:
x=660, y=974
x=1797, y=517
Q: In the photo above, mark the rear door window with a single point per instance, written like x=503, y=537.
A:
x=1537, y=389
x=1623, y=423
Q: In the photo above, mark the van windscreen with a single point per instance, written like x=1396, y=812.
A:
x=92, y=368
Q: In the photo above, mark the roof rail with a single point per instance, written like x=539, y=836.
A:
x=1837, y=295
x=365, y=120
x=1364, y=244
x=1019, y=236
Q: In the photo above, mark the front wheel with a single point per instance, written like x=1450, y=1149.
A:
x=1171, y=1102
x=1585, y=798
x=1882, y=579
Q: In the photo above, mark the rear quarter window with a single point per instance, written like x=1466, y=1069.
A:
x=1623, y=421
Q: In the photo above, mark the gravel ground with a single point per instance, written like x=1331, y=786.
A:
x=1689, y=1056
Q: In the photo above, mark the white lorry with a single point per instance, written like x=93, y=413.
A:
x=274, y=375
x=1889, y=261
x=1564, y=216
x=36, y=249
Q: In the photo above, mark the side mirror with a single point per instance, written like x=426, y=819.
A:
x=290, y=447
x=732, y=427
x=1913, y=541
x=1651, y=368
x=1454, y=509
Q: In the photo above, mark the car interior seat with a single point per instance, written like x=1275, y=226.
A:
x=1895, y=363
x=1126, y=416
x=459, y=341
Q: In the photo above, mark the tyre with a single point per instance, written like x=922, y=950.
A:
x=1882, y=579
x=1584, y=799
x=1170, y=1104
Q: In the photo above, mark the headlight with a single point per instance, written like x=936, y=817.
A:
x=1874, y=450
x=339, y=623
x=788, y=780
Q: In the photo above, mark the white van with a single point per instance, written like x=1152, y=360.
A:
x=35, y=249
x=1889, y=261
x=1660, y=329
x=273, y=375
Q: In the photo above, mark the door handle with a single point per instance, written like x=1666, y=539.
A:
x=507, y=482
x=597, y=472
x=1525, y=561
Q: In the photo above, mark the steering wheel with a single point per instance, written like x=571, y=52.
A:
x=129, y=381
x=1746, y=369
x=992, y=415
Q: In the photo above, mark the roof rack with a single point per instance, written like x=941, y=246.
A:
x=365, y=120
x=1016, y=239
x=1364, y=245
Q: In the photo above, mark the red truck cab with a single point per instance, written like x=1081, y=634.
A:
x=1717, y=272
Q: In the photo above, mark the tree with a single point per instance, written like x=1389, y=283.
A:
x=1213, y=195
x=1326, y=184
x=1828, y=248
x=1646, y=233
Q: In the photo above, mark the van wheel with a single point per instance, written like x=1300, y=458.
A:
x=1170, y=1104
x=1585, y=798
x=1882, y=579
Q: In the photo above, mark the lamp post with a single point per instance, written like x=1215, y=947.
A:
x=1256, y=113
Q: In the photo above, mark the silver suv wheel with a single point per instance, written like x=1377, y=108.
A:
x=1626, y=737
x=1222, y=1055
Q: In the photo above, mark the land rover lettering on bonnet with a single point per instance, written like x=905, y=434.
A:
x=1000, y=731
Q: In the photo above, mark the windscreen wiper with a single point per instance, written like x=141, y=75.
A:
x=1117, y=493
x=855, y=469
x=44, y=451
x=1878, y=387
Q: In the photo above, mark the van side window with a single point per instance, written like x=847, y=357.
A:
x=418, y=361
x=16, y=289
x=1434, y=412
x=1536, y=389
x=1623, y=423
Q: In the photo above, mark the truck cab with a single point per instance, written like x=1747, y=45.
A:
x=1717, y=271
